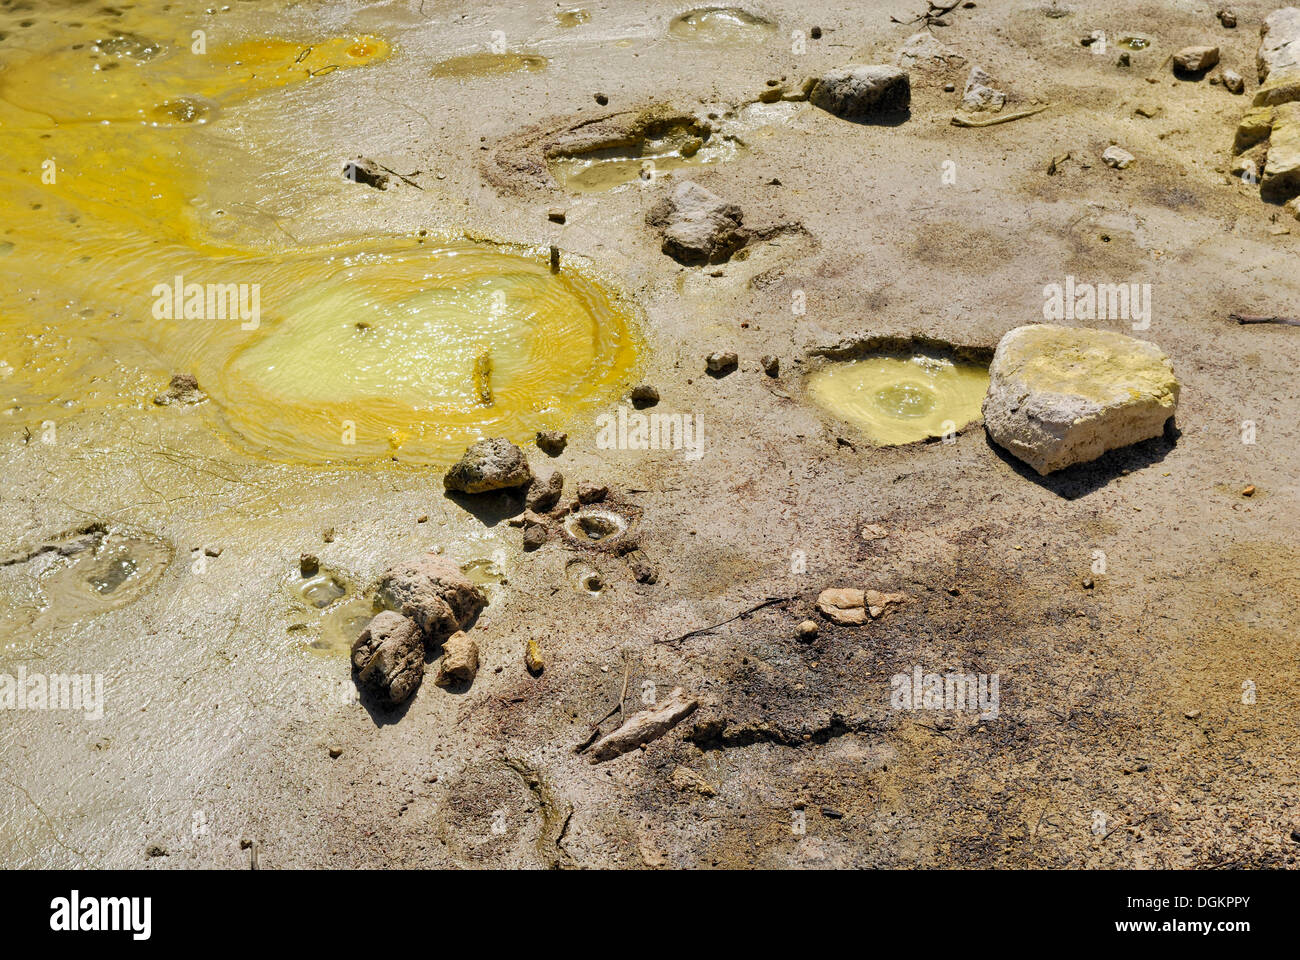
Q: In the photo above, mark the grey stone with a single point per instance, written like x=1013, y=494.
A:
x=697, y=226
x=863, y=92
x=493, y=464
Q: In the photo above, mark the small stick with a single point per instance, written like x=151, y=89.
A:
x=1257, y=318
x=743, y=613
x=959, y=121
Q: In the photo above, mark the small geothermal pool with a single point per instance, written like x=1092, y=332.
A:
x=901, y=399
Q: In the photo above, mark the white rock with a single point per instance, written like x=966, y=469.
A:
x=925, y=51
x=1279, y=44
x=980, y=94
x=1117, y=157
x=698, y=227
x=1064, y=395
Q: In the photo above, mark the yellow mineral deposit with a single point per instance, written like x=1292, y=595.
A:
x=901, y=399
x=342, y=352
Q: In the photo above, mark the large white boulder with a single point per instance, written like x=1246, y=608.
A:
x=1065, y=395
x=1279, y=44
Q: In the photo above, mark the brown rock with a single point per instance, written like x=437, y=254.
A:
x=389, y=657
x=434, y=593
x=459, y=662
x=552, y=442
x=589, y=492
x=843, y=605
x=877, y=601
x=1195, y=59
x=183, y=389
x=543, y=495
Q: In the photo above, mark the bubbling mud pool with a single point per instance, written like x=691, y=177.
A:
x=901, y=399
x=347, y=352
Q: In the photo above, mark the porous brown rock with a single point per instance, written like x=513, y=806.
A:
x=435, y=593
x=493, y=464
x=543, y=495
x=389, y=657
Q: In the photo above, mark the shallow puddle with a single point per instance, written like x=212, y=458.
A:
x=485, y=63
x=901, y=399
x=78, y=577
x=601, y=169
x=573, y=18
x=340, y=627
x=721, y=25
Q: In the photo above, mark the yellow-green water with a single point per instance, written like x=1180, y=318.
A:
x=720, y=25
x=596, y=171
x=344, y=352
x=901, y=399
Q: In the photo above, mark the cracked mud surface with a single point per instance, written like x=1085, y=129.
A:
x=1123, y=699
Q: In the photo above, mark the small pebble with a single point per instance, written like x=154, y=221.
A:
x=721, y=362
x=644, y=395
x=1248, y=491
x=308, y=565
x=807, y=631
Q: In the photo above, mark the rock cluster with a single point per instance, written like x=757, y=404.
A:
x=430, y=602
x=1271, y=127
